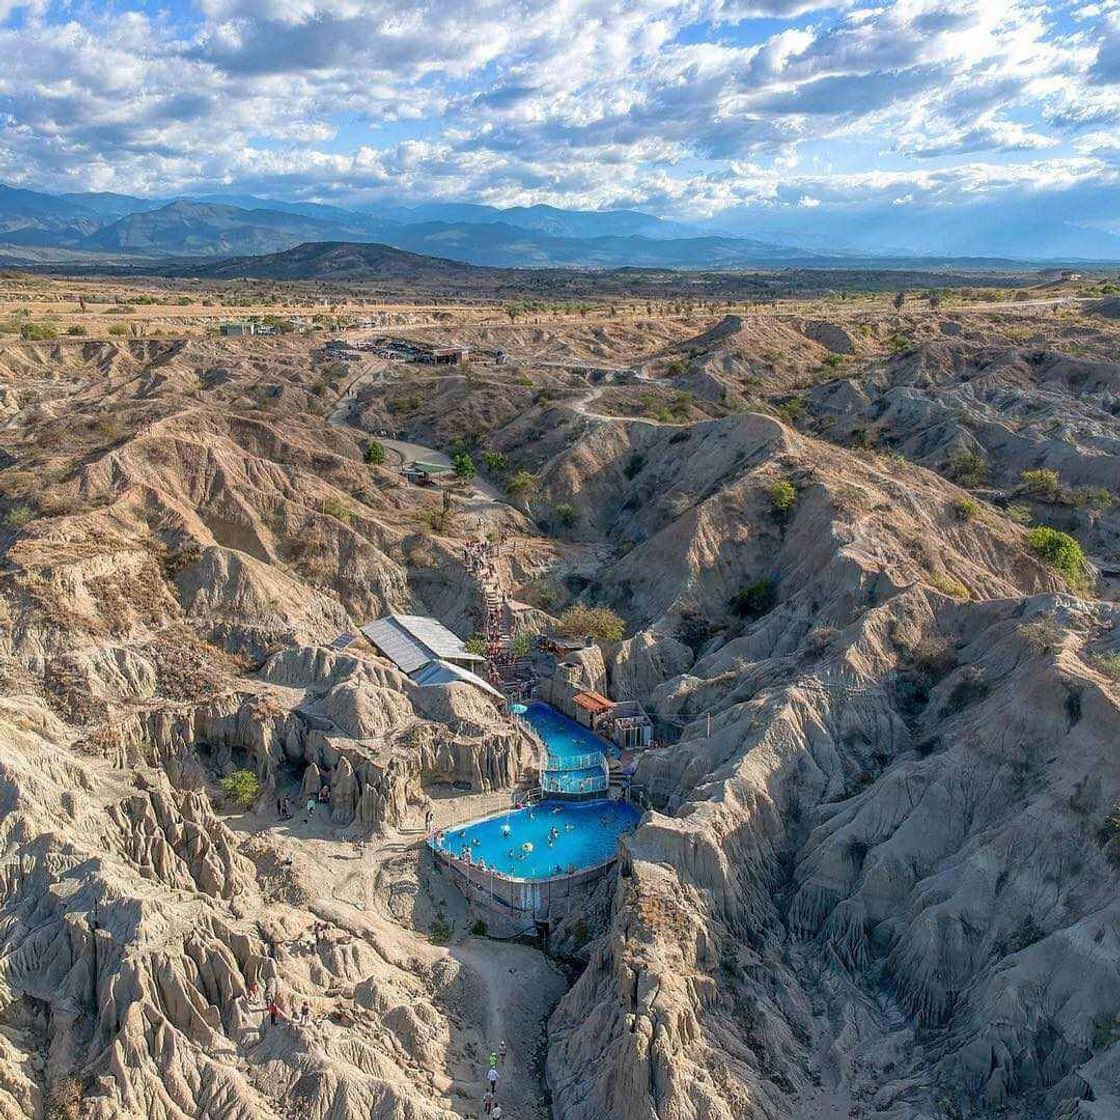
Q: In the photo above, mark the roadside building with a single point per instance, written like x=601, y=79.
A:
x=237, y=328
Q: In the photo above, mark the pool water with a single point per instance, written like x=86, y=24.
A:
x=565, y=837
x=568, y=742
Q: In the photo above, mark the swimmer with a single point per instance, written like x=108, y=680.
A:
x=506, y=830
x=475, y=842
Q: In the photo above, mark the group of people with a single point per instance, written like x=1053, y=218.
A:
x=273, y=1005
x=490, y=1106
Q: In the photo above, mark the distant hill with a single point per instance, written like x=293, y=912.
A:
x=109, y=227
x=339, y=260
x=187, y=228
x=503, y=246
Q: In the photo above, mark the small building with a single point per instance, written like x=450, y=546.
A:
x=591, y=709
x=448, y=355
x=411, y=641
x=424, y=474
x=629, y=727
x=238, y=328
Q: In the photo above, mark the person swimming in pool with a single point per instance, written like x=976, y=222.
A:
x=506, y=830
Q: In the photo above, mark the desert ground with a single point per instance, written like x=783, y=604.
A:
x=865, y=557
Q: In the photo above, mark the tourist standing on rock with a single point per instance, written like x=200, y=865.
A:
x=305, y=1014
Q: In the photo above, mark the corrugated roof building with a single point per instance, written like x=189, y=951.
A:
x=410, y=641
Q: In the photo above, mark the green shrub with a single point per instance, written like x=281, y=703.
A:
x=1020, y=514
x=966, y=508
x=464, y=466
x=1092, y=497
x=967, y=468
x=522, y=485
x=37, y=332
x=792, y=411
x=495, y=462
x=242, y=787
x=1043, y=484
x=1059, y=550
x=476, y=643
x=334, y=507
x=599, y=623
x=567, y=514
x=754, y=600
x=18, y=517
x=478, y=928
x=949, y=585
x=117, y=330
x=782, y=496
x=439, y=931
x=76, y=332
x=375, y=453
x=1108, y=664
x=634, y=465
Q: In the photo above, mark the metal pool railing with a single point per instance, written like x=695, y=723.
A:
x=565, y=783
x=573, y=761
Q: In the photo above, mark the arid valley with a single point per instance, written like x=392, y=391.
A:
x=854, y=556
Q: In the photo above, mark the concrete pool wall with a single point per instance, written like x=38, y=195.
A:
x=517, y=905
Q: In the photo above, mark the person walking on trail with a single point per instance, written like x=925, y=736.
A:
x=274, y=1011
x=496, y=1112
x=305, y=1014
x=502, y=1051
x=491, y=1060
x=492, y=1075
x=488, y=1102
x=429, y=820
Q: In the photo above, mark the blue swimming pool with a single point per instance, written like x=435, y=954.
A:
x=552, y=838
x=568, y=742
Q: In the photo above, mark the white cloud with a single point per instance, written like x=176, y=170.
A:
x=572, y=102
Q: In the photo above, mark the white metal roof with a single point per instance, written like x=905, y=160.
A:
x=411, y=641
x=443, y=672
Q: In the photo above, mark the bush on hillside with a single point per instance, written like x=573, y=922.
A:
x=1043, y=484
x=599, y=623
x=1059, y=550
x=782, y=497
x=753, y=600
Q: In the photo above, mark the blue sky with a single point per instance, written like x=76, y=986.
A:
x=745, y=113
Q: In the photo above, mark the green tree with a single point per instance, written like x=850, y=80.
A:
x=242, y=787
x=375, y=453
x=464, y=466
x=567, y=514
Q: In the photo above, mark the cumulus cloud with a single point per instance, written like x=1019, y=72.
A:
x=692, y=107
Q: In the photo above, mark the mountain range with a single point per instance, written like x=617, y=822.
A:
x=117, y=228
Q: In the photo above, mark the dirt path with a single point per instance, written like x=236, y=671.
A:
x=522, y=987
